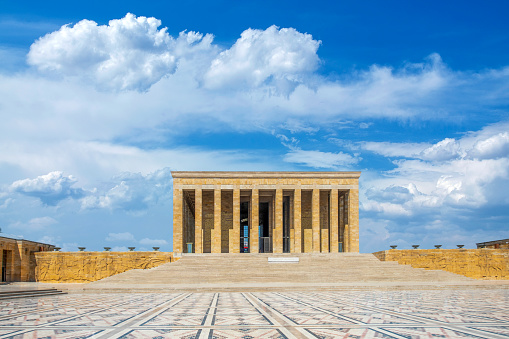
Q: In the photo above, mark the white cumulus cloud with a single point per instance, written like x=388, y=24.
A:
x=127, y=54
x=50, y=188
x=493, y=147
x=134, y=192
x=469, y=173
x=280, y=56
x=446, y=149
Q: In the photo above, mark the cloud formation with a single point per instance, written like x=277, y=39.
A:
x=446, y=176
x=127, y=54
x=50, y=188
x=134, y=192
x=276, y=56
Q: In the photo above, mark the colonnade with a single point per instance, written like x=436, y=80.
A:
x=317, y=219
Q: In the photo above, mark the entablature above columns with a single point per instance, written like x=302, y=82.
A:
x=264, y=187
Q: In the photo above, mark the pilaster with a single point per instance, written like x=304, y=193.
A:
x=216, y=231
x=255, y=222
x=234, y=240
x=178, y=230
x=297, y=219
x=353, y=219
x=198, y=221
x=334, y=218
x=278, y=231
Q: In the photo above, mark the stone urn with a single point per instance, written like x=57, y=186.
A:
x=415, y=246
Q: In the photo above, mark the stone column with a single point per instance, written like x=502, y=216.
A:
x=278, y=231
x=353, y=219
x=342, y=220
x=198, y=221
x=178, y=225
x=234, y=240
x=216, y=231
x=297, y=219
x=334, y=226
x=315, y=219
x=346, y=239
x=255, y=222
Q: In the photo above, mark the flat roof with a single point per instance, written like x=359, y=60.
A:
x=35, y=242
x=503, y=241
x=246, y=174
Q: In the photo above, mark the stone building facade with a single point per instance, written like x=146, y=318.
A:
x=18, y=260
x=496, y=244
x=265, y=212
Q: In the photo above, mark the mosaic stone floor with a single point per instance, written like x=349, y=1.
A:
x=353, y=314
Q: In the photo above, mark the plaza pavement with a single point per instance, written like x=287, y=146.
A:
x=445, y=313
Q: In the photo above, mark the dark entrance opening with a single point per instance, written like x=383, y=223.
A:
x=244, y=227
x=286, y=224
x=264, y=232
x=4, y=265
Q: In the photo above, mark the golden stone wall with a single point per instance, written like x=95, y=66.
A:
x=19, y=258
x=82, y=267
x=473, y=263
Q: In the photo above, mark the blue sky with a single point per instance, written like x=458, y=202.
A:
x=100, y=101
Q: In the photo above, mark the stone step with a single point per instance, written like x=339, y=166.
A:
x=35, y=293
x=223, y=271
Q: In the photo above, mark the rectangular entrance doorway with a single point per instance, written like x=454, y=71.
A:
x=244, y=227
x=5, y=257
x=264, y=231
x=286, y=224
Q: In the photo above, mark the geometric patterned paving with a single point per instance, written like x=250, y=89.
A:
x=455, y=313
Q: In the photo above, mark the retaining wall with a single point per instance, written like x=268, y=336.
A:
x=490, y=264
x=81, y=267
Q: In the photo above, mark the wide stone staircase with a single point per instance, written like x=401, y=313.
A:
x=16, y=293
x=254, y=272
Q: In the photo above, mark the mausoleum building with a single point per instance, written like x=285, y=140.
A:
x=265, y=212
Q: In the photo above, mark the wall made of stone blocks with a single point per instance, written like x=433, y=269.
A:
x=226, y=220
x=208, y=219
x=82, y=267
x=324, y=221
x=265, y=181
x=490, y=264
x=306, y=221
x=19, y=258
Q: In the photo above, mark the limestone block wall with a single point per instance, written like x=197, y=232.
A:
x=226, y=220
x=18, y=258
x=81, y=267
x=208, y=220
x=474, y=263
